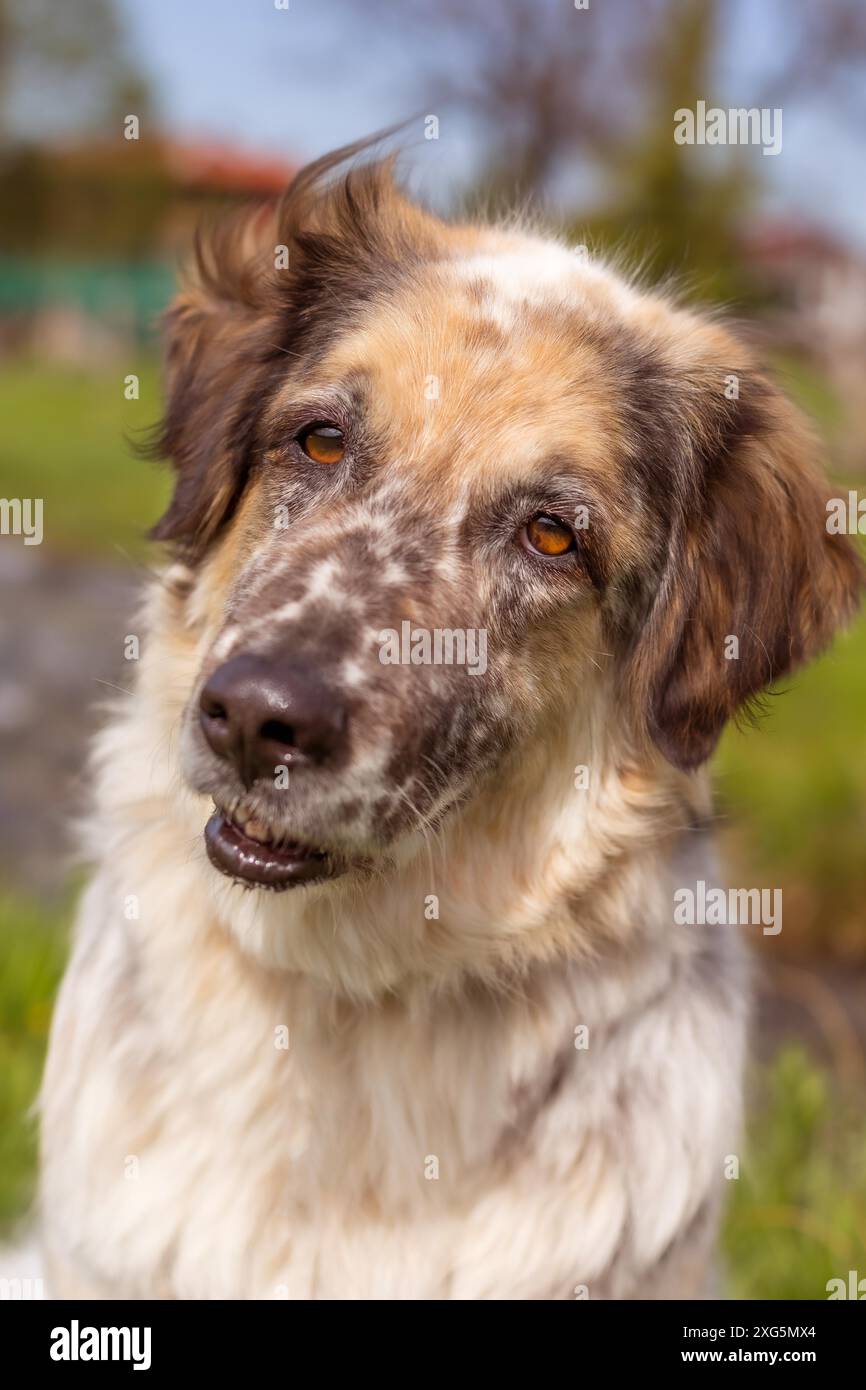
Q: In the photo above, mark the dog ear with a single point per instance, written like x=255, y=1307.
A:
x=753, y=585
x=220, y=355
x=245, y=315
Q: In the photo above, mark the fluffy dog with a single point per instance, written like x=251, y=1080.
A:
x=377, y=990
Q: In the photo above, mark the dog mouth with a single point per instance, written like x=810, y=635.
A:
x=252, y=853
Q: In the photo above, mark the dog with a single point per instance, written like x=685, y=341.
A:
x=376, y=989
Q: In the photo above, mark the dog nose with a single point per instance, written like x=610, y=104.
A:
x=261, y=711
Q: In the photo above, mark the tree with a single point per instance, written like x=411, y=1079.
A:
x=552, y=84
x=570, y=98
x=65, y=67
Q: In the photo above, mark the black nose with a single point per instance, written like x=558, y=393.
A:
x=262, y=711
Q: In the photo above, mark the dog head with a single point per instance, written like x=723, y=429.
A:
x=449, y=494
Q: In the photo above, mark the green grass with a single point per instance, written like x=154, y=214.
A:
x=32, y=951
x=797, y=1214
x=794, y=792
x=63, y=440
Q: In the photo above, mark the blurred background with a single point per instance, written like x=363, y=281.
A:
x=536, y=103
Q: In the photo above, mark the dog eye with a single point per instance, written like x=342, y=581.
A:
x=548, y=535
x=322, y=443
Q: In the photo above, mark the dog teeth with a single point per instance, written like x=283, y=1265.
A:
x=257, y=831
x=254, y=829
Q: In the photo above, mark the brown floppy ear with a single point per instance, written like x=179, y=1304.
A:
x=754, y=585
x=241, y=321
x=221, y=354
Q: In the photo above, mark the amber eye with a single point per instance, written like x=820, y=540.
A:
x=323, y=443
x=548, y=535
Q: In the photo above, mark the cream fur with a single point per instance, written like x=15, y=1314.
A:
x=300, y=1173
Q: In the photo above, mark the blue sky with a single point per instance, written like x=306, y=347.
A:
x=302, y=81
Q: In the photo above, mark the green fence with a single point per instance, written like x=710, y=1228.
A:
x=127, y=295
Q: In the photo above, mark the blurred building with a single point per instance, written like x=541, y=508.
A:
x=819, y=285
x=818, y=296
x=91, y=235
